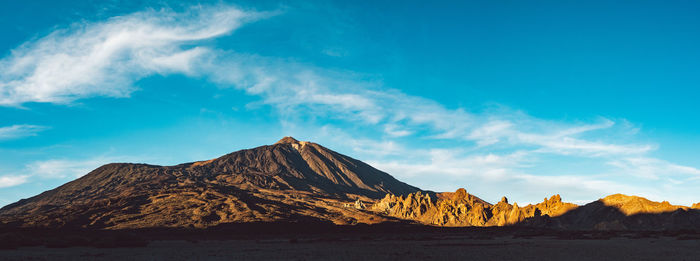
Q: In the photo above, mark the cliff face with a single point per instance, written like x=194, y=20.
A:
x=463, y=209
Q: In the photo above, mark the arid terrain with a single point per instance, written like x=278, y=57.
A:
x=462, y=244
x=299, y=200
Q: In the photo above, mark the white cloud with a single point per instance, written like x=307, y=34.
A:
x=298, y=89
x=525, y=176
x=11, y=181
x=104, y=59
x=63, y=168
x=568, y=145
x=579, y=189
x=395, y=130
x=652, y=168
x=447, y=162
x=490, y=133
x=492, y=175
x=55, y=169
x=19, y=131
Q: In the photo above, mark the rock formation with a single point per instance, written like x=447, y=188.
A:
x=622, y=212
x=463, y=209
x=630, y=205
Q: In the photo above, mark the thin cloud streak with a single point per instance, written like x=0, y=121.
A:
x=20, y=131
x=11, y=181
x=654, y=169
x=63, y=168
x=294, y=88
x=55, y=169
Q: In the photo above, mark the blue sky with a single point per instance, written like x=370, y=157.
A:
x=523, y=99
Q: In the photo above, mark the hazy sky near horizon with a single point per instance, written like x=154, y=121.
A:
x=518, y=98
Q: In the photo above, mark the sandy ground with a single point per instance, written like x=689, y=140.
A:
x=416, y=247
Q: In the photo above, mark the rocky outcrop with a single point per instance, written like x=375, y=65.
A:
x=630, y=205
x=622, y=212
x=411, y=206
x=614, y=212
x=463, y=209
x=459, y=209
x=358, y=204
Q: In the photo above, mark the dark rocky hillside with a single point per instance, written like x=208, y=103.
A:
x=287, y=181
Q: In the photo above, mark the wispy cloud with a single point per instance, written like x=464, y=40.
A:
x=19, y=131
x=482, y=173
x=65, y=168
x=296, y=89
x=105, y=58
x=652, y=168
x=11, y=181
x=55, y=169
x=449, y=162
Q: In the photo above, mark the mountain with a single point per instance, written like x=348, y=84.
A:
x=288, y=181
x=297, y=181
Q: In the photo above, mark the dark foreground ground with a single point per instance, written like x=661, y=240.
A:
x=363, y=243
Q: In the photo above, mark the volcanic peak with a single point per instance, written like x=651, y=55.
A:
x=297, y=145
x=287, y=140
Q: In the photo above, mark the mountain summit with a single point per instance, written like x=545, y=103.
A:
x=289, y=180
x=287, y=140
x=296, y=165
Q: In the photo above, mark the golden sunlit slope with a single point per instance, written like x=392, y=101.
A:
x=622, y=212
x=463, y=209
x=630, y=205
x=614, y=212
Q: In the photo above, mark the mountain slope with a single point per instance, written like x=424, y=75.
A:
x=293, y=165
x=623, y=212
x=289, y=180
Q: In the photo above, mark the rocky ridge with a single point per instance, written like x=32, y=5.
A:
x=614, y=212
x=623, y=212
x=696, y=206
x=463, y=209
x=630, y=205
